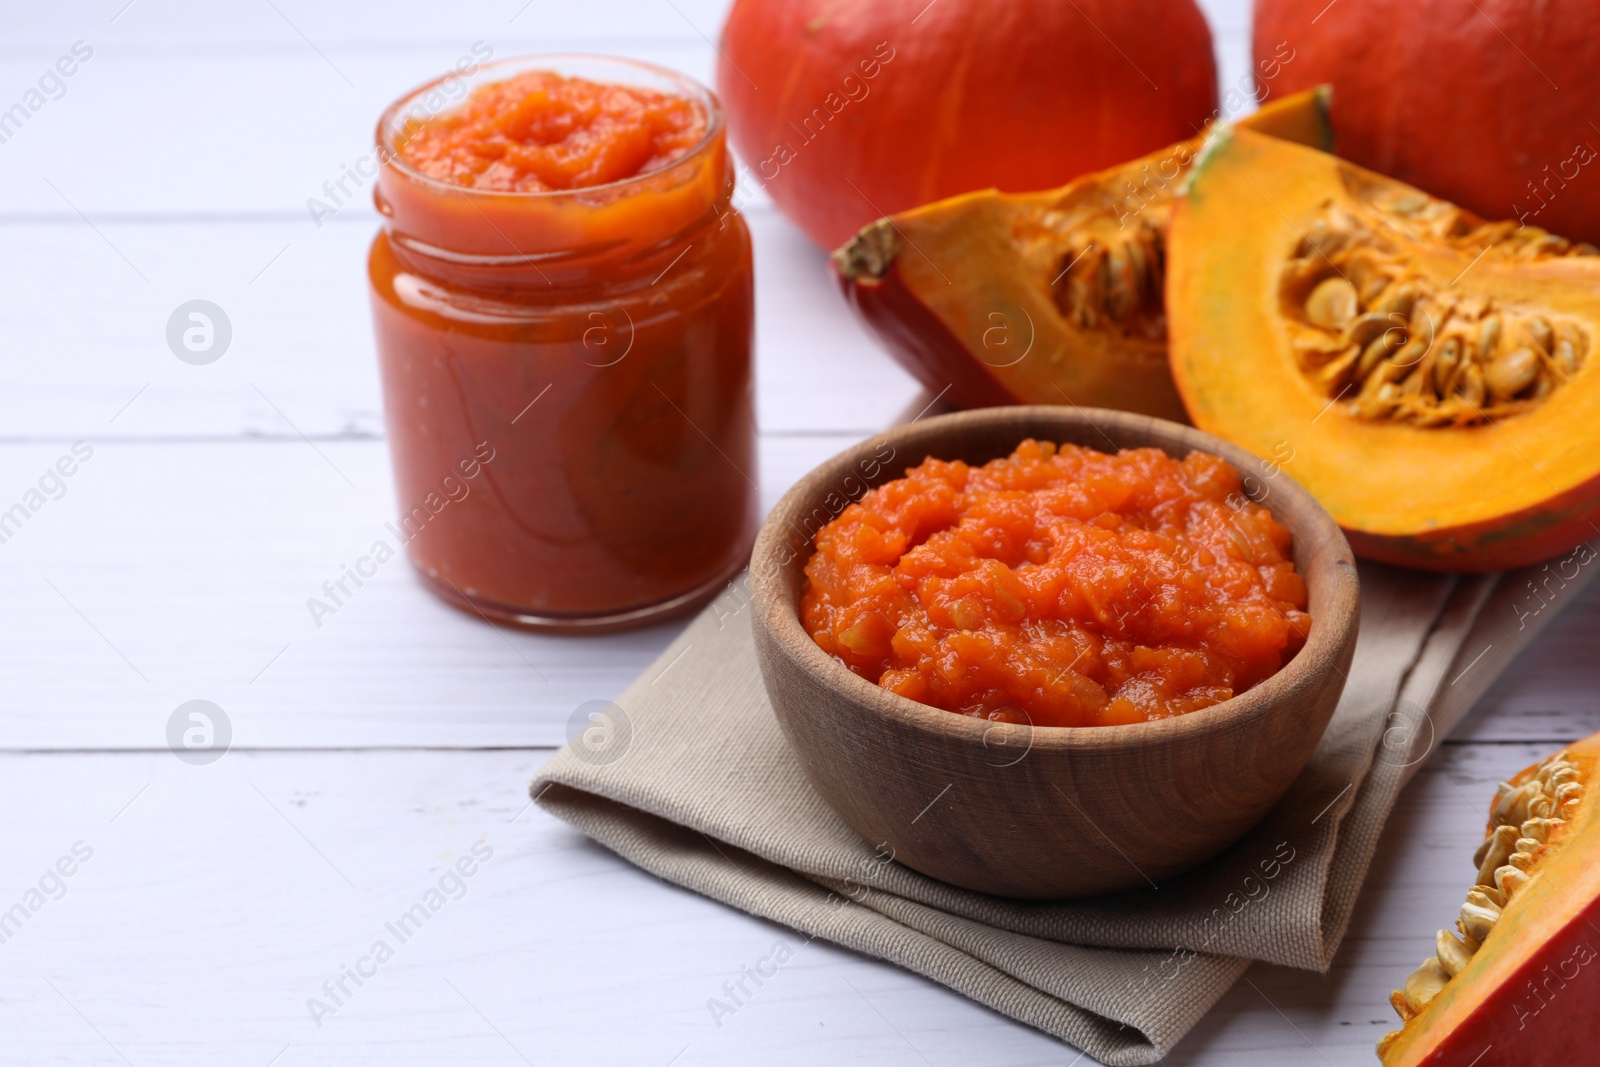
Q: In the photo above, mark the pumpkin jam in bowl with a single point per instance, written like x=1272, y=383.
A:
x=1059, y=586
x=1052, y=670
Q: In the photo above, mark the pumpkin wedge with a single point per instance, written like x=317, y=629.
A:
x=1042, y=298
x=1518, y=980
x=1430, y=377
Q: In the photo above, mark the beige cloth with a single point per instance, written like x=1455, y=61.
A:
x=690, y=778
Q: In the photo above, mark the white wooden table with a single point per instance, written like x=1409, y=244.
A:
x=370, y=754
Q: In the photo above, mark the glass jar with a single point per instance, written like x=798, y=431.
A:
x=567, y=375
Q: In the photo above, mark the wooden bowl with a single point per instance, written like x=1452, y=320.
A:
x=1044, y=812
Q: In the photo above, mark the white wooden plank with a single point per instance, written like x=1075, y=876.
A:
x=172, y=572
x=224, y=890
x=300, y=24
x=1230, y=34
x=233, y=891
x=1552, y=692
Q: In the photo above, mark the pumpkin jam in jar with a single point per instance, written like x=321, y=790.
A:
x=562, y=301
x=1059, y=586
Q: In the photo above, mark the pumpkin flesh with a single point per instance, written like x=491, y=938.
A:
x=1396, y=430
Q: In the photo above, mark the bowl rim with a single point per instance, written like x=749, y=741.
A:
x=1308, y=669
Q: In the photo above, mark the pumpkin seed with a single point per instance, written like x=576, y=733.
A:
x=1439, y=414
x=1542, y=334
x=1410, y=204
x=1452, y=358
x=1560, y=775
x=1118, y=285
x=1417, y=381
x=1335, y=376
x=1578, y=338
x=1511, y=372
x=1510, y=880
x=1454, y=954
x=1488, y=338
x=1372, y=287
x=1566, y=357
x=1411, y=353
x=1361, y=331
x=1485, y=896
x=1493, y=853
x=1421, y=323
x=1477, y=921
x=1316, y=350
x=1539, y=829
x=1425, y=983
x=1084, y=296
x=1470, y=385
x=1375, y=353
x=1399, y=301
x=1332, y=304
x=1444, y=366
x=1138, y=270
x=1322, y=240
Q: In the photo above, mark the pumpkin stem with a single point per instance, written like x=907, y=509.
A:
x=869, y=254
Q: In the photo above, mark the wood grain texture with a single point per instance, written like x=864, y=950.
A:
x=302, y=358
x=170, y=571
x=220, y=899
x=1036, y=826
x=207, y=918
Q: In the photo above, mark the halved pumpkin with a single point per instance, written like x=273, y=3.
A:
x=1042, y=298
x=1518, y=982
x=1430, y=377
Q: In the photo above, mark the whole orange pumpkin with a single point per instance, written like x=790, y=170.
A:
x=1490, y=103
x=849, y=110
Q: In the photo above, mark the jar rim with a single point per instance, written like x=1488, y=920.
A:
x=392, y=120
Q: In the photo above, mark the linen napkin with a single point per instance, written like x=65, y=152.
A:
x=688, y=776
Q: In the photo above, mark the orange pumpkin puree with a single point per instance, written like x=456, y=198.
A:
x=540, y=131
x=1059, y=586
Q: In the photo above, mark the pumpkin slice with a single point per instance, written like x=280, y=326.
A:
x=1042, y=298
x=1430, y=376
x=1518, y=980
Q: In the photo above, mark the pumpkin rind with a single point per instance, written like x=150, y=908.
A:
x=1501, y=493
x=848, y=111
x=1487, y=103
